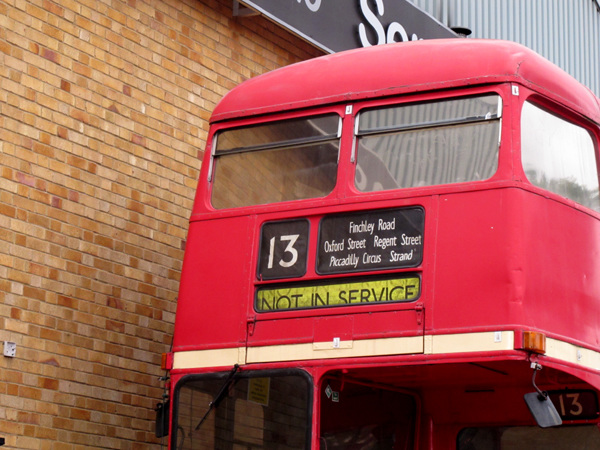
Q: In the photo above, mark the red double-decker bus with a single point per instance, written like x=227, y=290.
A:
x=395, y=248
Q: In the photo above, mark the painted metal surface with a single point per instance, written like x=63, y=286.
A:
x=397, y=69
x=484, y=262
x=499, y=256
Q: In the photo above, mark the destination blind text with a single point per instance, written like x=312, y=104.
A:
x=376, y=240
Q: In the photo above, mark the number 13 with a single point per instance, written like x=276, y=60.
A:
x=291, y=238
x=576, y=408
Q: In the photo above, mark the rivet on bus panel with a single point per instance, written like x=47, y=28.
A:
x=534, y=342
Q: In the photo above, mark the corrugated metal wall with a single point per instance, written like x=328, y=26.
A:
x=567, y=32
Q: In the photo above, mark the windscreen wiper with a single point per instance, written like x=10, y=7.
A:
x=220, y=395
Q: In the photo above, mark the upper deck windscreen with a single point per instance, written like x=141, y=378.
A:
x=427, y=144
x=278, y=161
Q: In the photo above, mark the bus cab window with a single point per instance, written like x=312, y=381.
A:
x=274, y=162
x=427, y=144
x=268, y=410
x=360, y=416
x=559, y=156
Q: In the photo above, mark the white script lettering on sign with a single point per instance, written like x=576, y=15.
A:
x=337, y=25
x=313, y=5
x=383, y=37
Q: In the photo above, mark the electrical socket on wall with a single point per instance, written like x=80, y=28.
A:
x=10, y=349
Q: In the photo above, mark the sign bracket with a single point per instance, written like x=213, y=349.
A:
x=240, y=10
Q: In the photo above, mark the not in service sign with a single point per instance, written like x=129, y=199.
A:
x=374, y=240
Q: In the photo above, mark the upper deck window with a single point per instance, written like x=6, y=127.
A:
x=427, y=144
x=277, y=161
x=559, y=156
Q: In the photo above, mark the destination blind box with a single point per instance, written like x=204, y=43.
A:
x=372, y=240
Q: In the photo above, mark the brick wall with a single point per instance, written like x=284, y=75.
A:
x=103, y=115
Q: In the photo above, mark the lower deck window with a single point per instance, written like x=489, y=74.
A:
x=529, y=438
x=260, y=410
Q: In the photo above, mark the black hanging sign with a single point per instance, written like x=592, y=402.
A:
x=336, y=25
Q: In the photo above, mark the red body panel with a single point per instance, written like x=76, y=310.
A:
x=510, y=257
x=499, y=255
x=395, y=69
x=494, y=259
x=210, y=307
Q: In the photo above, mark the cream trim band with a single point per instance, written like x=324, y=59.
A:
x=493, y=341
x=428, y=344
x=573, y=354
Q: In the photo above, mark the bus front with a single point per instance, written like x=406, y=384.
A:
x=358, y=271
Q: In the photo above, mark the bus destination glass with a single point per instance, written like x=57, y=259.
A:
x=372, y=240
x=347, y=292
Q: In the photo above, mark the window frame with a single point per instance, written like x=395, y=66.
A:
x=215, y=153
x=502, y=170
x=568, y=116
x=245, y=374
